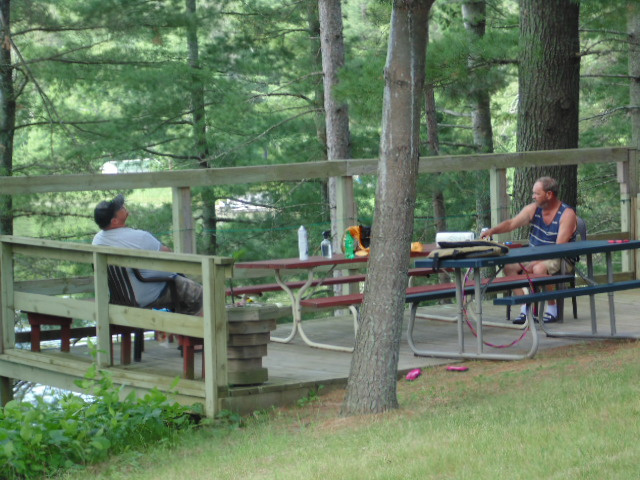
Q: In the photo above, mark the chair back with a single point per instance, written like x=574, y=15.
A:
x=581, y=230
x=120, y=289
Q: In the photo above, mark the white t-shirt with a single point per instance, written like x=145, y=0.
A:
x=126, y=237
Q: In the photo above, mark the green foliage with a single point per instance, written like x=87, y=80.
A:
x=112, y=80
x=312, y=396
x=40, y=439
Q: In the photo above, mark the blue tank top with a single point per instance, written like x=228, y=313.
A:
x=543, y=234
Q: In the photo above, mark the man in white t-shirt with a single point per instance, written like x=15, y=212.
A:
x=111, y=217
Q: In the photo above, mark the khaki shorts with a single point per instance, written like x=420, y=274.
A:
x=554, y=266
x=189, y=297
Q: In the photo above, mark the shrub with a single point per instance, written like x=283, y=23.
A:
x=39, y=439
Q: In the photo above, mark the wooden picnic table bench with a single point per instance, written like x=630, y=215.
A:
x=259, y=289
x=440, y=291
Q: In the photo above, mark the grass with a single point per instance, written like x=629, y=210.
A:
x=572, y=412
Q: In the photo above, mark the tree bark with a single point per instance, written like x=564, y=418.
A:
x=208, y=195
x=336, y=112
x=437, y=196
x=633, y=27
x=372, y=381
x=7, y=115
x=474, y=14
x=549, y=82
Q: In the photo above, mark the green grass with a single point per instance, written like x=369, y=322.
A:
x=569, y=413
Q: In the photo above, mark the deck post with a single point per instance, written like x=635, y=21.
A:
x=7, y=305
x=627, y=173
x=103, y=330
x=7, y=314
x=499, y=199
x=184, y=240
x=215, y=332
x=346, y=215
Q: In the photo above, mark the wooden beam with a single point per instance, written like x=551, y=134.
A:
x=7, y=305
x=101, y=306
x=296, y=171
x=499, y=199
x=215, y=334
x=184, y=239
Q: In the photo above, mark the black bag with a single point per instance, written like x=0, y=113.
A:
x=467, y=249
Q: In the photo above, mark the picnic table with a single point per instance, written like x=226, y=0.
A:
x=587, y=248
x=317, y=269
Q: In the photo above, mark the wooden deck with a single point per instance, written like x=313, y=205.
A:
x=295, y=368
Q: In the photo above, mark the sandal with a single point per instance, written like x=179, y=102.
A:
x=548, y=318
x=520, y=320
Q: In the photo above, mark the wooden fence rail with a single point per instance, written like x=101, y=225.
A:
x=39, y=296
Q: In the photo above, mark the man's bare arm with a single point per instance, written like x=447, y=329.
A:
x=520, y=220
x=568, y=225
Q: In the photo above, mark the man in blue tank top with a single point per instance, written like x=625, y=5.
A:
x=552, y=221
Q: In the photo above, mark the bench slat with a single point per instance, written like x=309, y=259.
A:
x=274, y=287
x=574, y=292
x=438, y=291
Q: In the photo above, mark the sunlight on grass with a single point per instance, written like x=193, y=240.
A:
x=562, y=415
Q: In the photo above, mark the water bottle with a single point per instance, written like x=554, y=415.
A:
x=303, y=243
x=349, y=246
x=325, y=245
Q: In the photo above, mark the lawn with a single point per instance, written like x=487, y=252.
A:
x=572, y=412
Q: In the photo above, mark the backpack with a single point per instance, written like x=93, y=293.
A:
x=467, y=249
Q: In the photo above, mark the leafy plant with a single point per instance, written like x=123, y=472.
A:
x=42, y=438
x=312, y=396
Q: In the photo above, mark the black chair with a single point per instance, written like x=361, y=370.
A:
x=581, y=235
x=121, y=293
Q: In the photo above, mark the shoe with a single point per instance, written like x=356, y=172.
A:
x=520, y=320
x=548, y=318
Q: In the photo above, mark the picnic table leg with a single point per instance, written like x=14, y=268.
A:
x=612, y=308
x=487, y=356
x=303, y=335
x=295, y=305
x=478, y=299
x=459, y=300
x=592, y=298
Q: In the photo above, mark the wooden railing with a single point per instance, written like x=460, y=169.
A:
x=42, y=296
x=182, y=182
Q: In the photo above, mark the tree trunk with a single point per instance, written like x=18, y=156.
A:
x=315, y=52
x=336, y=112
x=474, y=14
x=437, y=196
x=208, y=195
x=549, y=82
x=7, y=115
x=372, y=381
x=633, y=27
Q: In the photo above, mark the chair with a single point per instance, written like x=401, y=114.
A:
x=122, y=293
x=581, y=235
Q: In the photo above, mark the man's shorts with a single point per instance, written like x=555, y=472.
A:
x=189, y=297
x=555, y=265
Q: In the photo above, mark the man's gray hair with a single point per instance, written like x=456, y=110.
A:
x=549, y=185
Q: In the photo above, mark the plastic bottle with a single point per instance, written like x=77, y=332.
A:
x=325, y=245
x=303, y=243
x=349, y=246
